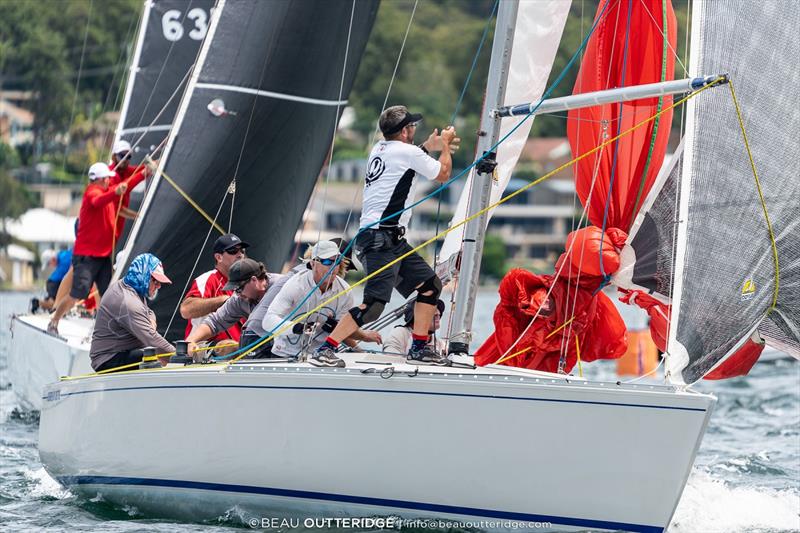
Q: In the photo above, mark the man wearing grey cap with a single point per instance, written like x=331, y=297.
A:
x=303, y=293
x=392, y=168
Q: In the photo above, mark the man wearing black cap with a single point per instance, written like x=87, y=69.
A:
x=392, y=168
x=207, y=292
x=248, y=280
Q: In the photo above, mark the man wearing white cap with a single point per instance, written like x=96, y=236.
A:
x=91, y=256
x=131, y=175
x=308, y=334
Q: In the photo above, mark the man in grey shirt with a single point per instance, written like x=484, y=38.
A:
x=249, y=281
x=125, y=323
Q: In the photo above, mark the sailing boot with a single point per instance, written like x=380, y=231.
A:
x=426, y=356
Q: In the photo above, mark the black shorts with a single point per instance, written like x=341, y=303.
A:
x=376, y=248
x=87, y=270
x=262, y=352
x=52, y=289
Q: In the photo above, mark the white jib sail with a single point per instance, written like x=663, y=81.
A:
x=536, y=39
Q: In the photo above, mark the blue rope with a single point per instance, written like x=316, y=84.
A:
x=607, y=277
x=446, y=184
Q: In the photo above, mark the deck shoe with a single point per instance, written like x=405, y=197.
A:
x=427, y=356
x=326, y=357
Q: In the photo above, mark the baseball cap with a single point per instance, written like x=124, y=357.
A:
x=395, y=118
x=158, y=274
x=241, y=272
x=100, y=171
x=229, y=240
x=324, y=250
x=121, y=146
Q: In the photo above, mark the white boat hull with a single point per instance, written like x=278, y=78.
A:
x=290, y=440
x=36, y=358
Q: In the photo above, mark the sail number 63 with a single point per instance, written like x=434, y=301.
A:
x=172, y=25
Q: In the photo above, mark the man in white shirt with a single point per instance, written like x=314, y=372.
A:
x=388, y=192
x=300, y=295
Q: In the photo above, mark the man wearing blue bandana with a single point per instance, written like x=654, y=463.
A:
x=124, y=323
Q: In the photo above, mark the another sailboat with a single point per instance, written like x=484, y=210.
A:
x=544, y=448
x=169, y=38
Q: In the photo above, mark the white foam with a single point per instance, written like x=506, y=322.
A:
x=711, y=505
x=45, y=486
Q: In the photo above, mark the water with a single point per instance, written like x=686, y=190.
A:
x=746, y=477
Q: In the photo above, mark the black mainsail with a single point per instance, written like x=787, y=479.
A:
x=170, y=35
x=251, y=133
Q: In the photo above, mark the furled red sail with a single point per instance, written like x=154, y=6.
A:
x=627, y=48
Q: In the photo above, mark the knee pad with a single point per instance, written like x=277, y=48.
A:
x=432, y=285
x=370, y=313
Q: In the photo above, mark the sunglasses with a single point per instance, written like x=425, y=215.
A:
x=123, y=155
x=326, y=262
x=234, y=251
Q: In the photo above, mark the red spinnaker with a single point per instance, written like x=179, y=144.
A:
x=627, y=48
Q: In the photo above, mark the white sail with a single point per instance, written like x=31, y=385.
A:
x=536, y=39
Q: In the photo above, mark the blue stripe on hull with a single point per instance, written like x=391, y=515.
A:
x=379, y=391
x=360, y=500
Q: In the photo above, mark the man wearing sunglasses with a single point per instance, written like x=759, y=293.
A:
x=207, y=292
x=301, y=294
x=392, y=169
x=131, y=175
x=248, y=280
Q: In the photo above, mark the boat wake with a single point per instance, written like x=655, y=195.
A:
x=712, y=505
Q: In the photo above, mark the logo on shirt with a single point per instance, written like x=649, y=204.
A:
x=375, y=170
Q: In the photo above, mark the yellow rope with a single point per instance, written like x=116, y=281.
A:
x=578, y=353
x=761, y=197
x=506, y=358
x=192, y=203
x=451, y=228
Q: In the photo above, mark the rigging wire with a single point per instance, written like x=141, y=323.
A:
x=78, y=81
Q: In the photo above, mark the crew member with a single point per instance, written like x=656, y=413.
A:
x=125, y=324
x=249, y=280
x=61, y=262
x=388, y=191
x=207, y=292
x=304, y=292
x=91, y=259
x=132, y=175
x=400, y=339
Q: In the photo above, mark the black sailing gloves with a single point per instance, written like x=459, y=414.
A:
x=487, y=164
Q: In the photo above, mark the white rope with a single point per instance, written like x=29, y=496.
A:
x=634, y=380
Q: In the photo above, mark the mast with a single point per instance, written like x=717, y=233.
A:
x=472, y=241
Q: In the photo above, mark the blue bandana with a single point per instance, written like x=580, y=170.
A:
x=138, y=276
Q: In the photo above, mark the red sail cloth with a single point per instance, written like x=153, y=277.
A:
x=613, y=60
x=596, y=323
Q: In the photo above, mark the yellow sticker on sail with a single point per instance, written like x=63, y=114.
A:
x=748, y=289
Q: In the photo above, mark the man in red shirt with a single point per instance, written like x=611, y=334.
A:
x=125, y=172
x=206, y=294
x=91, y=256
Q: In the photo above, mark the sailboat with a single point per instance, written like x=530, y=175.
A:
x=169, y=38
x=490, y=445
